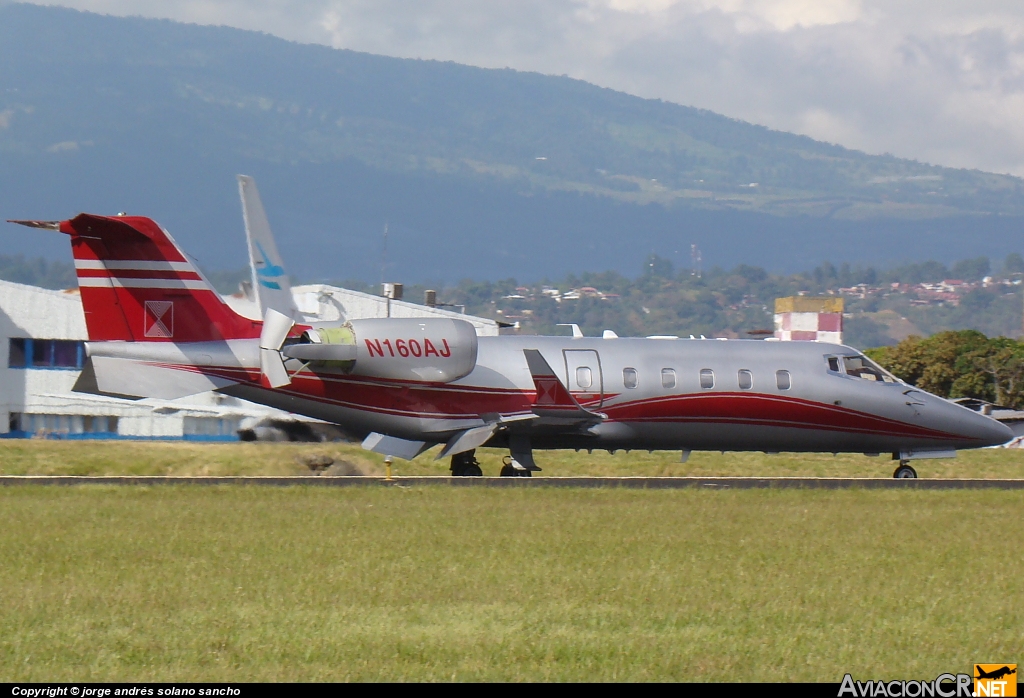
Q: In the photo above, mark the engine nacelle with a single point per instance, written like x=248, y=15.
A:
x=435, y=350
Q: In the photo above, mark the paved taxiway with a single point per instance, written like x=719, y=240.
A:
x=825, y=483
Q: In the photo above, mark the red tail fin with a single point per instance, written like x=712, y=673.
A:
x=137, y=285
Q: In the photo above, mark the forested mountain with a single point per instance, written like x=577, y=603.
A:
x=481, y=173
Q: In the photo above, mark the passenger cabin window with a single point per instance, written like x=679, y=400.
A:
x=668, y=378
x=707, y=378
x=783, y=380
x=629, y=377
x=584, y=377
x=745, y=379
x=863, y=367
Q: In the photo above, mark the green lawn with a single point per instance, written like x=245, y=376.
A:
x=43, y=457
x=437, y=583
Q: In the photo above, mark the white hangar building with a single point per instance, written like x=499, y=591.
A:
x=42, y=338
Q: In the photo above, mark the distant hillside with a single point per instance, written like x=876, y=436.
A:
x=38, y=272
x=477, y=172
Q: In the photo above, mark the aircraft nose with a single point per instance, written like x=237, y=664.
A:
x=996, y=432
x=982, y=430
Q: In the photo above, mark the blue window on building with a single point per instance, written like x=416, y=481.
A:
x=45, y=353
x=16, y=353
x=63, y=425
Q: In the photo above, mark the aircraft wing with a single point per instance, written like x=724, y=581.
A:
x=554, y=406
x=269, y=280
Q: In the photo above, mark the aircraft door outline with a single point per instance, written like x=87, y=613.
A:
x=583, y=375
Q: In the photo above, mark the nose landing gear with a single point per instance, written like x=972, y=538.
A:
x=904, y=471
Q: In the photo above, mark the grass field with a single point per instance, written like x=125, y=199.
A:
x=43, y=457
x=438, y=583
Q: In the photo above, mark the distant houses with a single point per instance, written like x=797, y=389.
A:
x=946, y=292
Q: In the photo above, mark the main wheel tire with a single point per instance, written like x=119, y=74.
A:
x=465, y=465
x=509, y=470
x=905, y=472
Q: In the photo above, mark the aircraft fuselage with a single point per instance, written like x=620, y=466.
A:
x=690, y=394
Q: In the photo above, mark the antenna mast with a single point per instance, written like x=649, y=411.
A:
x=384, y=254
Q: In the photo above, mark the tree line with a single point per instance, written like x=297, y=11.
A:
x=962, y=363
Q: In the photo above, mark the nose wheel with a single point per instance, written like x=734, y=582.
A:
x=904, y=472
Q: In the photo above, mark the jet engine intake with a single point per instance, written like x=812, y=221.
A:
x=434, y=350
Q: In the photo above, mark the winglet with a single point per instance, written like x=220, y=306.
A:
x=553, y=399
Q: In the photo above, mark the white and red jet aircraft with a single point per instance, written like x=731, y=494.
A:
x=158, y=329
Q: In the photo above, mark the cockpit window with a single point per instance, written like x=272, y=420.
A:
x=863, y=367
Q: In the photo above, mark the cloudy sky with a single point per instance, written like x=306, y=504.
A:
x=937, y=80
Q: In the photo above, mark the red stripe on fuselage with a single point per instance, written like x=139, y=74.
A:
x=399, y=398
x=434, y=401
x=758, y=408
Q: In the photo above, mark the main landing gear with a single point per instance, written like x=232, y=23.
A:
x=904, y=471
x=518, y=464
x=465, y=464
x=511, y=468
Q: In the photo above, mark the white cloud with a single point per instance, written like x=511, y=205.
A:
x=63, y=147
x=937, y=80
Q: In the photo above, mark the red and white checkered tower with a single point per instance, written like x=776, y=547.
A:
x=809, y=318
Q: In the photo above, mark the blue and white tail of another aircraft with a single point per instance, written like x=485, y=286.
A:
x=270, y=283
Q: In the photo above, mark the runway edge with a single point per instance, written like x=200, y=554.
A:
x=828, y=483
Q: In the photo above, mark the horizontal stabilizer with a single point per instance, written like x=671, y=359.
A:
x=87, y=384
x=127, y=377
x=393, y=446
